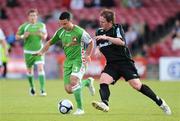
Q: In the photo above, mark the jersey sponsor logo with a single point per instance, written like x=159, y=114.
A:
x=105, y=44
x=134, y=74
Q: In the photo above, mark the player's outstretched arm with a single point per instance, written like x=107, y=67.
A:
x=45, y=48
x=97, y=52
x=116, y=41
x=90, y=48
x=89, y=51
x=24, y=36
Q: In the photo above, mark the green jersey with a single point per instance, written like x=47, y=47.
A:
x=33, y=43
x=74, y=42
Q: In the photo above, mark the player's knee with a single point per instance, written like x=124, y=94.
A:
x=74, y=81
x=68, y=89
x=135, y=83
x=106, y=81
x=29, y=72
x=40, y=69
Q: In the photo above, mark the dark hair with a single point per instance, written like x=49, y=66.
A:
x=32, y=10
x=108, y=14
x=65, y=15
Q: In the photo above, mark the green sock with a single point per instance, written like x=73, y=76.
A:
x=78, y=97
x=42, y=82
x=85, y=83
x=31, y=80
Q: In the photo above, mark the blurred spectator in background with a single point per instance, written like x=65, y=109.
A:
x=124, y=24
x=90, y=22
x=176, y=28
x=97, y=3
x=131, y=37
x=77, y=4
x=56, y=13
x=11, y=38
x=89, y=3
x=107, y=3
x=176, y=41
x=64, y=3
x=12, y=3
x=3, y=14
x=131, y=3
x=16, y=50
x=145, y=50
x=139, y=27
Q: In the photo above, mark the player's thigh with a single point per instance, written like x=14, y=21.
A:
x=135, y=83
x=110, y=74
x=106, y=78
x=66, y=74
x=129, y=71
x=29, y=60
x=78, y=70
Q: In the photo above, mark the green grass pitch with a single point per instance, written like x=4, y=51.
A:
x=126, y=104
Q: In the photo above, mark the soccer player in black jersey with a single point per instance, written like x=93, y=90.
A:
x=111, y=43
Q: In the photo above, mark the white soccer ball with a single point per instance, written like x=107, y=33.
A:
x=65, y=106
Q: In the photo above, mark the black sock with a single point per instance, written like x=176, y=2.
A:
x=149, y=93
x=104, y=93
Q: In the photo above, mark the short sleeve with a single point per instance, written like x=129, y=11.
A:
x=21, y=29
x=44, y=30
x=120, y=32
x=86, y=37
x=57, y=36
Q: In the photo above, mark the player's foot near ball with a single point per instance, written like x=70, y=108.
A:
x=165, y=108
x=91, y=86
x=43, y=94
x=78, y=112
x=100, y=106
x=32, y=92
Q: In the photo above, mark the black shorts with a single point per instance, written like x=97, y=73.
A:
x=116, y=70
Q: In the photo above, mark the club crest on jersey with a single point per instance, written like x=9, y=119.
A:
x=73, y=43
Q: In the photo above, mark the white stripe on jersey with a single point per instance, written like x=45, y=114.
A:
x=25, y=29
x=61, y=33
x=86, y=37
x=118, y=33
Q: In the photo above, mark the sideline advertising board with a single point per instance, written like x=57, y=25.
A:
x=169, y=69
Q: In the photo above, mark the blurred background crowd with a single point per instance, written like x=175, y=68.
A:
x=152, y=28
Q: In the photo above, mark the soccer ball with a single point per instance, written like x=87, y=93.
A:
x=65, y=106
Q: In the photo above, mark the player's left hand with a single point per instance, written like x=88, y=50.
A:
x=101, y=37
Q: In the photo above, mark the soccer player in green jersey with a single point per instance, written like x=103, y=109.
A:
x=74, y=40
x=33, y=32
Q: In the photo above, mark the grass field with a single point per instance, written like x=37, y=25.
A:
x=125, y=103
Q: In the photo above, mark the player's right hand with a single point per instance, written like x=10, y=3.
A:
x=26, y=34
